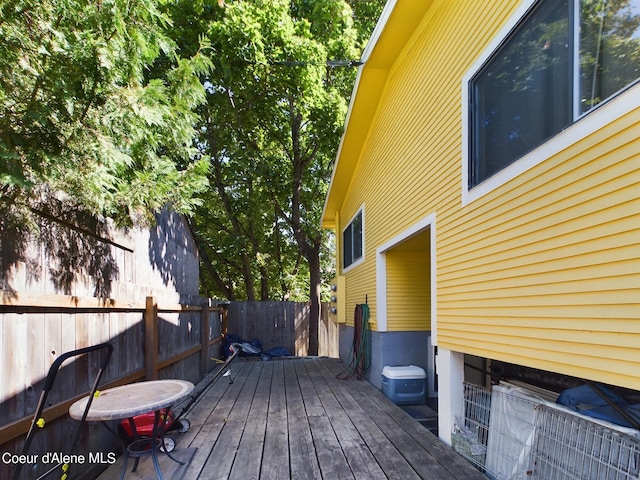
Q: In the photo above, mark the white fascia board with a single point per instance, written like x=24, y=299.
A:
x=377, y=31
x=371, y=44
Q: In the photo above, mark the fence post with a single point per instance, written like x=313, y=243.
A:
x=151, y=339
x=225, y=321
x=205, y=328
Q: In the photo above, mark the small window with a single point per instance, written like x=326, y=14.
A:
x=352, y=241
x=563, y=59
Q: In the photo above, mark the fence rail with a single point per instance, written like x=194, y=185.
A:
x=151, y=340
x=148, y=337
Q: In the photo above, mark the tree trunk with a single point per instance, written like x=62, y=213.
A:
x=206, y=261
x=248, y=278
x=314, y=299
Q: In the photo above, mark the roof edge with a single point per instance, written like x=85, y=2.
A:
x=327, y=220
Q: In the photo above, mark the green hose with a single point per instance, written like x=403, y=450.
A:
x=359, y=357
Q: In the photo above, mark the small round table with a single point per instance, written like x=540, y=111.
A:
x=133, y=399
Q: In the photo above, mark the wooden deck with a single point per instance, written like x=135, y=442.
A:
x=293, y=419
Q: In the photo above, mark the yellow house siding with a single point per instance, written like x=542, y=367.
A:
x=408, y=307
x=410, y=144
x=360, y=288
x=543, y=271
x=546, y=271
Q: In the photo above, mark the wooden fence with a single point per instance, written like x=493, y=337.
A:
x=282, y=324
x=151, y=340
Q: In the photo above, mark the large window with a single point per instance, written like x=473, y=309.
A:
x=352, y=241
x=562, y=60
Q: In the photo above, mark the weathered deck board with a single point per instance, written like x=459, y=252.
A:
x=404, y=432
x=294, y=419
x=303, y=459
x=275, y=463
x=387, y=455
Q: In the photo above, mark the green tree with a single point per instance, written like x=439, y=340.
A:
x=83, y=119
x=276, y=103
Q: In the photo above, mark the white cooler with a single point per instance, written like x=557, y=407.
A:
x=405, y=385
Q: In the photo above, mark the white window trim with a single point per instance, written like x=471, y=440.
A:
x=601, y=116
x=355, y=263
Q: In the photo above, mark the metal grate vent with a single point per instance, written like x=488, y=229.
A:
x=471, y=435
x=510, y=435
x=570, y=447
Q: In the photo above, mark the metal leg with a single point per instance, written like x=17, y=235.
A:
x=138, y=447
x=154, y=450
x=134, y=434
x=167, y=453
x=125, y=451
x=146, y=445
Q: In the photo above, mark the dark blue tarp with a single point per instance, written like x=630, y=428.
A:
x=252, y=348
x=587, y=402
x=275, y=352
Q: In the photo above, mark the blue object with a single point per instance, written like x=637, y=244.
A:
x=584, y=394
x=278, y=352
x=274, y=352
x=405, y=385
x=587, y=402
x=254, y=347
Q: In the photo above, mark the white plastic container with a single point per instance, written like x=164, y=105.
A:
x=405, y=385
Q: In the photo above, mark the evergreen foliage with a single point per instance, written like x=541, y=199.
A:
x=82, y=118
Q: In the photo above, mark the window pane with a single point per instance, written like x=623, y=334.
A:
x=522, y=96
x=347, y=247
x=357, y=237
x=609, y=48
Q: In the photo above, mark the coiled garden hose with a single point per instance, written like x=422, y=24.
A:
x=359, y=358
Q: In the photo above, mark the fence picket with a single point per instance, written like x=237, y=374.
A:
x=282, y=324
x=150, y=339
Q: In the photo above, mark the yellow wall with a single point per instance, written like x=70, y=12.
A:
x=545, y=270
x=361, y=288
x=408, y=291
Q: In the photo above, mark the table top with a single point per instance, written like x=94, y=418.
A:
x=132, y=399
